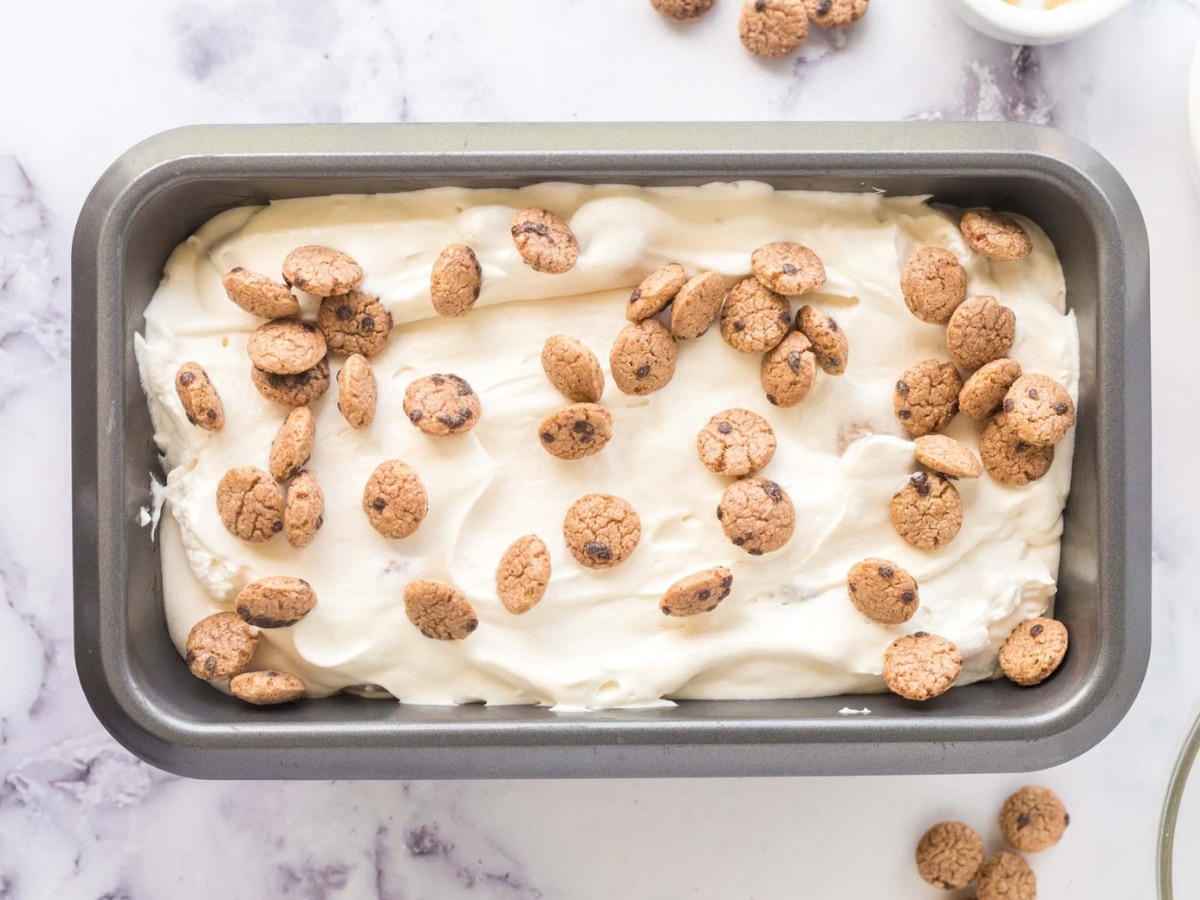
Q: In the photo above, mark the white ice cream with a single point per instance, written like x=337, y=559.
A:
x=597, y=639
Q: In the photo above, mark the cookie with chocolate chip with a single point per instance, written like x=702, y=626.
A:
x=682, y=10
x=995, y=235
x=357, y=391
x=442, y=405
x=1008, y=457
x=981, y=331
x=656, y=291
x=789, y=372
x=921, y=666
x=601, y=530
x=1006, y=876
x=927, y=512
x=773, y=28
x=523, y=574
x=260, y=295
x=697, y=305
x=573, y=369
x=736, y=442
x=220, y=646
x=276, y=601
x=946, y=456
x=984, y=391
x=292, y=390
x=355, y=322
x=201, y=403
x=439, y=610
x=1033, y=819
x=643, y=357
x=1033, y=652
x=925, y=398
x=304, y=510
x=787, y=268
x=249, y=504
x=321, y=270
x=949, y=855
x=933, y=283
x=293, y=444
x=836, y=13
x=757, y=515
x=697, y=593
x=829, y=343
x=394, y=499
x=1039, y=410
x=883, y=591
x=455, y=280
x=286, y=347
x=576, y=431
x=754, y=318
x=544, y=240
x=266, y=687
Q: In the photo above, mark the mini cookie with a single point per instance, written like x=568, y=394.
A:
x=1033, y=819
x=773, y=28
x=754, y=318
x=643, y=357
x=927, y=512
x=293, y=444
x=601, y=530
x=266, y=687
x=201, y=403
x=697, y=593
x=276, y=601
x=220, y=646
x=286, y=347
x=934, y=283
x=394, y=499
x=544, y=240
x=926, y=397
x=439, y=610
x=736, y=442
x=292, y=390
x=1033, y=652
x=357, y=391
x=523, y=574
x=836, y=13
x=985, y=389
x=259, y=295
x=757, y=515
x=949, y=855
x=354, y=323
x=654, y=293
x=980, y=331
x=828, y=340
x=321, y=271
x=787, y=268
x=883, y=592
x=921, y=666
x=946, y=456
x=1008, y=458
x=576, y=431
x=455, y=280
x=442, y=404
x=304, y=511
x=250, y=504
x=1039, y=409
x=1006, y=876
x=789, y=371
x=682, y=10
x=995, y=235
x=573, y=369
x=696, y=306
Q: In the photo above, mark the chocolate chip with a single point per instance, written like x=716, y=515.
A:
x=471, y=625
x=907, y=597
x=720, y=514
x=760, y=5
x=772, y=400
x=666, y=610
x=187, y=378
x=543, y=229
x=727, y=582
x=464, y=389
x=1020, y=446
x=277, y=526
x=439, y=380
x=211, y=415
x=1060, y=408
x=547, y=437
x=739, y=325
x=793, y=360
x=278, y=381
x=637, y=293
x=320, y=522
x=823, y=7
x=643, y=371
x=886, y=572
x=1007, y=405
x=772, y=490
x=704, y=595
x=1033, y=394
x=476, y=290
x=921, y=482
x=833, y=326
x=597, y=550
x=380, y=504
x=954, y=408
x=785, y=318
x=210, y=664
x=789, y=269
x=756, y=551
x=304, y=378
x=415, y=415
x=920, y=634
x=345, y=312
x=725, y=427
x=738, y=541
x=367, y=326
x=1066, y=818
x=902, y=388
x=1036, y=630
x=452, y=422
x=307, y=327
x=1023, y=820
x=904, y=413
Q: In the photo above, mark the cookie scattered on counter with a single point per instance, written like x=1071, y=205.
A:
x=682, y=10
x=927, y=512
x=1039, y=409
x=304, y=510
x=292, y=390
x=260, y=295
x=643, y=357
x=523, y=574
x=949, y=855
x=442, y=405
x=946, y=456
x=1006, y=876
x=836, y=13
x=773, y=28
x=921, y=666
x=266, y=687
x=883, y=592
x=545, y=241
x=829, y=343
x=573, y=369
x=787, y=268
x=698, y=593
x=984, y=391
x=354, y=322
x=980, y=331
x=321, y=271
x=754, y=318
x=926, y=397
x=276, y=601
x=220, y=646
x=357, y=391
x=250, y=505
x=1033, y=652
x=789, y=371
x=654, y=293
x=1033, y=819
x=601, y=530
x=995, y=235
x=1010, y=459
x=286, y=347
x=757, y=515
x=394, y=499
x=293, y=444
x=455, y=280
x=201, y=403
x=576, y=431
x=697, y=305
x=736, y=442
x=439, y=610
x=934, y=283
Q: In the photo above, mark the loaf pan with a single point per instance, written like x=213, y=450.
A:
x=162, y=190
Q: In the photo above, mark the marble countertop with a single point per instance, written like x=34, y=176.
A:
x=81, y=818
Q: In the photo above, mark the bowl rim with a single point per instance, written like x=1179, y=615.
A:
x=1062, y=21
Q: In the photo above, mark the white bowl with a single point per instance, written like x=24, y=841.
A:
x=1193, y=102
x=1019, y=25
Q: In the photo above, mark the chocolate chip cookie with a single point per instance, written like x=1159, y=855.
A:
x=357, y=391
x=1034, y=651
x=949, y=855
x=439, y=610
x=829, y=343
x=1009, y=458
x=260, y=295
x=682, y=10
x=934, y=283
x=980, y=331
x=201, y=403
x=787, y=268
x=573, y=369
x=250, y=505
x=293, y=444
x=1033, y=819
x=654, y=293
x=292, y=390
x=266, y=687
x=995, y=235
x=736, y=442
x=757, y=515
x=697, y=305
x=601, y=530
x=455, y=280
x=698, y=593
x=220, y=646
x=442, y=405
x=927, y=512
x=576, y=431
x=354, y=322
x=394, y=499
x=643, y=357
x=304, y=510
x=984, y=391
x=754, y=318
x=1039, y=409
x=321, y=271
x=523, y=574
x=1006, y=876
x=883, y=591
x=545, y=241
x=789, y=372
x=946, y=456
x=773, y=28
x=926, y=397
x=286, y=347
x=836, y=13
x=921, y=666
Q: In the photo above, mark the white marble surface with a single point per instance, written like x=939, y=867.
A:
x=79, y=82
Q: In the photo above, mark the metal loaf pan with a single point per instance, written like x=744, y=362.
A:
x=160, y=191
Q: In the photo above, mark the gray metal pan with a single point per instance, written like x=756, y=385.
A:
x=160, y=191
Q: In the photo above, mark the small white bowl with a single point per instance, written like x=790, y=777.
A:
x=1019, y=25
